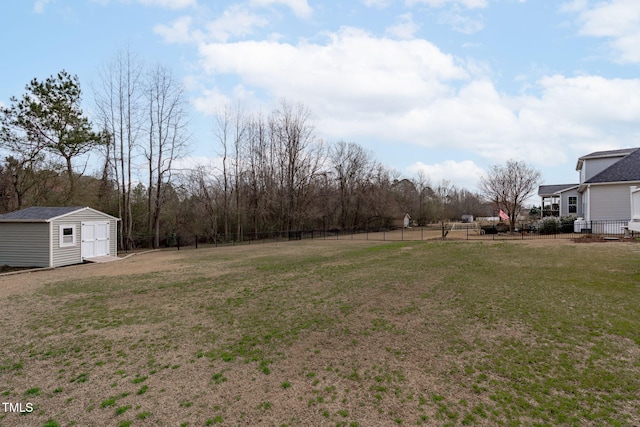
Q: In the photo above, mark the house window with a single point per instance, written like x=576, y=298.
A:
x=67, y=235
x=573, y=204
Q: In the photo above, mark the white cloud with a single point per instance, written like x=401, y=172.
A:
x=169, y=4
x=235, y=22
x=574, y=6
x=380, y=4
x=363, y=88
x=178, y=32
x=464, y=174
x=39, y=5
x=300, y=8
x=616, y=20
x=404, y=29
x=354, y=70
x=210, y=101
x=470, y=4
x=460, y=22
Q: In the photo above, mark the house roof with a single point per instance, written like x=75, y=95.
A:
x=43, y=214
x=550, y=190
x=625, y=169
x=609, y=153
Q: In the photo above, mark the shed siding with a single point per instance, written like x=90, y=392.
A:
x=610, y=202
x=73, y=255
x=65, y=255
x=24, y=244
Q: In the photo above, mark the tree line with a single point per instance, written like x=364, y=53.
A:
x=273, y=172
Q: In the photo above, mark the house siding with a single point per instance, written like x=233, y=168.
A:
x=564, y=203
x=609, y=202
x=592, y=167
x=24, y=244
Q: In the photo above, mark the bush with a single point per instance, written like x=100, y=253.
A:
x=489, y=229
x=549, y=225
x=566, y=223
x=172, y=239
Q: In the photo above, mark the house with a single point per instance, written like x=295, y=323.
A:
x=55, y=236
x=605, y=179
x=559, y=200
x=603, y=191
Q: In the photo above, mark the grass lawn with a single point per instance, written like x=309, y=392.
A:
x=329, y=333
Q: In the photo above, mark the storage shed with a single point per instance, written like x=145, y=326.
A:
x=56, y=236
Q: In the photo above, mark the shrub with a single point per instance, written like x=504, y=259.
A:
x=566, y=223
x=549, y=225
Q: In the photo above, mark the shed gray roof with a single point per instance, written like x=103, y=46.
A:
x=42, y=213
x=625, y=169
x=549, y=190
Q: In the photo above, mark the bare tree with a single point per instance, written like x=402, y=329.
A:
x=167, y=139
x=406, y=196
x=203, y=190
x=425, y=193
x=260, y=176
x=508, y=186
x=120, y=109
x=351, y=165
x=240, y=132
x=443, y=192
x=223, y=131
x=380, y=206
x=300, y=157
x=232, y=128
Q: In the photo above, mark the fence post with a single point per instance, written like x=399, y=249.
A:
x=178, y=240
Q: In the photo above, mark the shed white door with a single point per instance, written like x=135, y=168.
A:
x=95, y=239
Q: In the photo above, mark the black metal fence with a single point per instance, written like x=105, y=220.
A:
x=604, y=229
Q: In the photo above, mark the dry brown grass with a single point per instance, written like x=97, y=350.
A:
x=319, y=333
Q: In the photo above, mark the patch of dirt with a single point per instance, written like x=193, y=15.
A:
x=590, y=238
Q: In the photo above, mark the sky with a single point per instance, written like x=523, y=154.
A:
x=449, y=87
